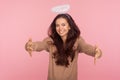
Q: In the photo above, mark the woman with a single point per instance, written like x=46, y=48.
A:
x=63, y=44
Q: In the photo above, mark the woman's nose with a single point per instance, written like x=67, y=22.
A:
x=60, y=27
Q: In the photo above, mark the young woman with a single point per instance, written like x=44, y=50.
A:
x=63, y=43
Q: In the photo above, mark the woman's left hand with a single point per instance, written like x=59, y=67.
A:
x=98, y=54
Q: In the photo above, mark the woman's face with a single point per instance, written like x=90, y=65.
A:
x=62, y=27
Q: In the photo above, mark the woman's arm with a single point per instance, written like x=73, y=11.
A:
x=88, y=49
x=42, y=45
x=38, y=45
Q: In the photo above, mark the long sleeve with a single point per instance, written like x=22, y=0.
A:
x=42, y=45
x=86, y=48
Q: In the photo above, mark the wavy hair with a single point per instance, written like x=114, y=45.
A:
x=64, y=51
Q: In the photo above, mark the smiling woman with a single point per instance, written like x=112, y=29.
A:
x=64, y=42
x=62, y=28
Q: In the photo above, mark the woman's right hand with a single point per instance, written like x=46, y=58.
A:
x=29, y=47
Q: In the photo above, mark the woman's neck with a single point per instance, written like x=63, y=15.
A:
x=64, y=38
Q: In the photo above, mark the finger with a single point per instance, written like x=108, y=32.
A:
x=96, y=50
x=98, y=53
x=30, y=53
x=30, y=39
x=97, y=56
x=29, y=43
x=95, y=61
x=29, y=48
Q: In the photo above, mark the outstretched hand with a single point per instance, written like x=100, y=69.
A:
x=98, y=54
x=29, y=46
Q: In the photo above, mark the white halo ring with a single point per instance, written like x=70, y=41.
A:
x=61, y=8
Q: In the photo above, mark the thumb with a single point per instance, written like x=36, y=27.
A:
x=96, y=47
x=30, y=51
x=30, y=40
x=94, y=60
x=95, y=57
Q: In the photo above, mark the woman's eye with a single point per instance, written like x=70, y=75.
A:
x=57, y=25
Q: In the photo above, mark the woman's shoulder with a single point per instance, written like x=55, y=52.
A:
x=80, y=39
x=48, y=40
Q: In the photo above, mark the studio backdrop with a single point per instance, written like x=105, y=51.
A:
x=98, y=20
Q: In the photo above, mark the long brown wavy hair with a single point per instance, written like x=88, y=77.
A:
x=64, y=51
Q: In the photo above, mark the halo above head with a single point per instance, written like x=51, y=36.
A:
x=61, y=8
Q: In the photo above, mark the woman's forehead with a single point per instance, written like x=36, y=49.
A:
x=61, y=20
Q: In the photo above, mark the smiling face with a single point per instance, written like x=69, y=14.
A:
x=62, y=28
